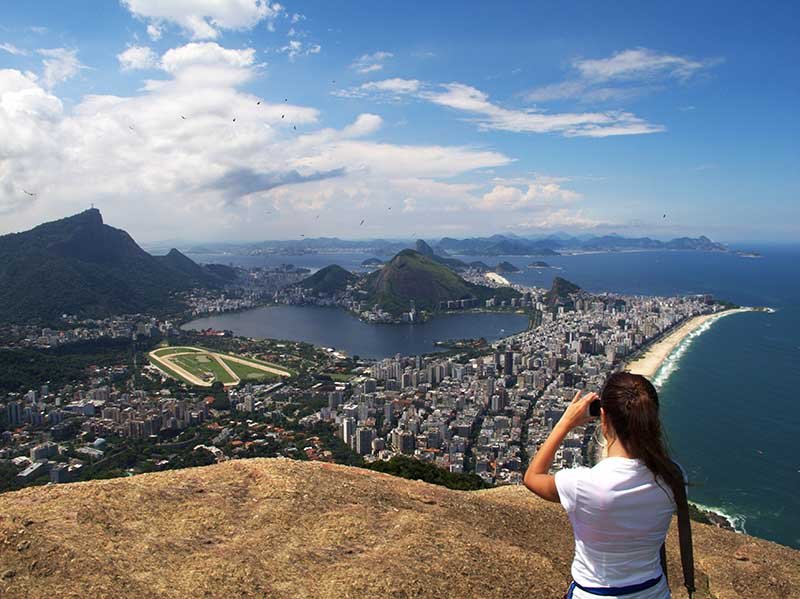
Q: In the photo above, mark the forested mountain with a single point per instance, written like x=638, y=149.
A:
x=412, y=276
x=79, y=265
x=329, y=280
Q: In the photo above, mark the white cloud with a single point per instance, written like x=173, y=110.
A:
x=625, y=74
x=365, y=124
x=171, y=160
x=60, y=64
x=296, y=48
x=490, y=116
x=204, y=19
x=205, y=54
x=537, y=195
x=398, y=86
x=639, y=63
x=369, y=63
x=12, y=49
x=137, y=57
x=154, y=31
x=562, y=219
x=297, y=17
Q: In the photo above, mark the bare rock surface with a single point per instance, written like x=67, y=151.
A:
x=279, y=528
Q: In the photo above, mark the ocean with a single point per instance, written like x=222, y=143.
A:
x=727, y=392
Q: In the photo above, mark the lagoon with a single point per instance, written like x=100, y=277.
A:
x=332, y=327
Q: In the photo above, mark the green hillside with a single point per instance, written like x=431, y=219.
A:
x=411, y=276
x=78, y=265
x=329, y=280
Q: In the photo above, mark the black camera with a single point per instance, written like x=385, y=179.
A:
x=594, y=408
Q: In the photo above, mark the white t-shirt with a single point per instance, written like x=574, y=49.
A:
x=620, y=517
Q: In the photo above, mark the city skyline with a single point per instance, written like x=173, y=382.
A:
x=249, y=121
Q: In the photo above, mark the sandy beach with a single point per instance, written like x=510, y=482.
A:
x=649, y=363
x=496, y=278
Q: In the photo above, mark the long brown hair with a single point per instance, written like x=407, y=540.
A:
x=630, y=402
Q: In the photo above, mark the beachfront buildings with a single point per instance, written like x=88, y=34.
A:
x=488, y=414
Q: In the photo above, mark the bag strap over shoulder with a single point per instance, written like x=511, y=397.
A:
x=684, y=541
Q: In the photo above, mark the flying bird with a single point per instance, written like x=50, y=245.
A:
x=294, y=127
x=286, y=99
x=183, y=117
x=30, y=193
x=234, y=120
x=665, y=216
x=258, y=103
x=283, y=115
x=130, y=127
x=361, y=223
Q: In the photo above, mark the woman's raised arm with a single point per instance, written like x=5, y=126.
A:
x=536, y=477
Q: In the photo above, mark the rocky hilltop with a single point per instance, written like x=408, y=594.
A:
x=279, y=528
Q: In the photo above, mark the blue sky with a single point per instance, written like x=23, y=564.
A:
x=421, y=119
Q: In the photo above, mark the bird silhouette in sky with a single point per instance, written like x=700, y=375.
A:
x=294, y=127
x=665, y=216
x=286, y=99
x=258, y=103
x=317, y=217
x=130, y=127
x=361, y=223
x=183, y=117
x=283, y=115
x=30, y=193
x=234, y=120
x=390, y=207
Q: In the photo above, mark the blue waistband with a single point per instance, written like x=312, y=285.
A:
x=615, y=591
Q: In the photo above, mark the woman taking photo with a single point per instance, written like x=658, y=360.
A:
x=620, y=509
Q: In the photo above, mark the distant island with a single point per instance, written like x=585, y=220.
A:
x=446, y=249
x=372, y=262
x=505, y=268
x=538, y=264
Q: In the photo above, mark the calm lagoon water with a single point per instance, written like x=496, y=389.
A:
x=331, y=327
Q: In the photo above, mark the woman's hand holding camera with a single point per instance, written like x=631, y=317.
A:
x=577, y=412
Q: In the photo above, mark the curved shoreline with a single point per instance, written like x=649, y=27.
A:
x=656, y=355
x=659, y=361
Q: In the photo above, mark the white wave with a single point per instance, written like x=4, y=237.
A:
x=737, y=521
x=671, y=362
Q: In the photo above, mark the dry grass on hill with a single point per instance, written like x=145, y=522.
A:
x=280, y=528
